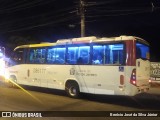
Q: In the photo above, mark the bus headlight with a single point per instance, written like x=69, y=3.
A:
x=6, y=76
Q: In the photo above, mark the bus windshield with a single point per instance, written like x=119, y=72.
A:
x=142, y=51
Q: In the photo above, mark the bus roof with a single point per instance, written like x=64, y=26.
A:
x=35, y=45
x=84, y=40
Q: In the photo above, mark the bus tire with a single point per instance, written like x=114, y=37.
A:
x=72, y=90
x=10, y=84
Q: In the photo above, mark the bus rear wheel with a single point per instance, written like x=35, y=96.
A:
x=72, y=90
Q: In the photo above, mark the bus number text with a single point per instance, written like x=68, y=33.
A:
x=39, y=70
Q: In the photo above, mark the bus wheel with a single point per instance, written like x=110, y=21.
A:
x=11, y=84
x=72, y=89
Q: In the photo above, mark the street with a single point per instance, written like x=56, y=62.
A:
x=40, y=99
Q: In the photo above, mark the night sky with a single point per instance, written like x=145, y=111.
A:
x=35, y=21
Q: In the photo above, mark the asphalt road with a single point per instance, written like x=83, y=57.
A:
x=38, y=99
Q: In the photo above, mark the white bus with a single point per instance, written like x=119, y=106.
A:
x=108, y=66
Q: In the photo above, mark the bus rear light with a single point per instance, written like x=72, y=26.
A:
x=134, y=82
x=121, y=79
x=133, y=77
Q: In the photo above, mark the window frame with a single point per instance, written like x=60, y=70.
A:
x=144, y=44
x=57, y=46
x=79, y=45
x=28, y=55
x=111, y=43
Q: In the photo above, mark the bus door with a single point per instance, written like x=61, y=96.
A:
x=17, y=73
x=33, y=75
x=36, y=67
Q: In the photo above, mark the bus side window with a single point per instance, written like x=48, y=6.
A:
x=37, y=55
x=51, y=55
x=19, y=56
x=60, y=56
x=78, y=55
x=33, y=55
x=114, y=54
x=80, y=60
x=56, y=55
x=98, y=54
x=72, y=55
x=84, y=54
x=117, y=50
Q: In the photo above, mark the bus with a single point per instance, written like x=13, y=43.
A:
x=106, y=65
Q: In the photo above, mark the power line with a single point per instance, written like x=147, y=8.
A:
x=4, y=6
x=40, y=25
x=53, y=18
x=120, y=14
x=24, y=6
x=68, y=11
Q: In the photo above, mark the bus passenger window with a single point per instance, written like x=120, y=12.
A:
x=84, y=54
x=80, y=60
x=108, y=54
x=72, y=55
x=60, y=56
x=56, y=55
x=98, y=51
x=117, y=53
x=37, y=55
x=78, y=55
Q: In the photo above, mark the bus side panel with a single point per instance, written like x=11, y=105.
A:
x=95, y=79
x=99, y=79
x=20, y=73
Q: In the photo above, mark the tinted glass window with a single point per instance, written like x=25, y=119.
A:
x=37, y=55
x=56, y=55
x=78, y=55
x=108, y=54
x=18, y=56
x=142, y=51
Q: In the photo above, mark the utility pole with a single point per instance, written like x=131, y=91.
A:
x=82, y=15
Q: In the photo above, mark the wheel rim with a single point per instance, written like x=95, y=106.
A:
x=12, y=84
x=73, y=91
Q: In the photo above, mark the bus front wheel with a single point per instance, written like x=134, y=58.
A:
x=72, y=89
x=12, y=82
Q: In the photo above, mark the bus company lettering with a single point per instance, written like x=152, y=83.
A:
x=81, y=72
